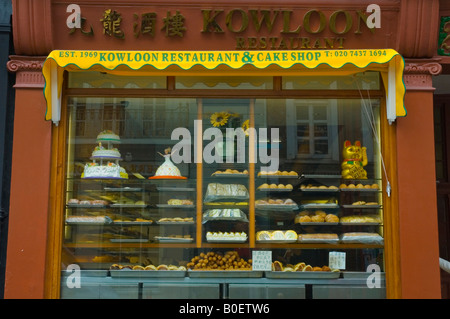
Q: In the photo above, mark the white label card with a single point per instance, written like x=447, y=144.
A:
x=262, y=260
x=336, y=260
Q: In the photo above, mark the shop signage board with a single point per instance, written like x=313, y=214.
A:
x=388, y=62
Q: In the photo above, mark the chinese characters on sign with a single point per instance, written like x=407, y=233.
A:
x=144, y=24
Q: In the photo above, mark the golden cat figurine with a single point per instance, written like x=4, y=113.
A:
x=355, y=158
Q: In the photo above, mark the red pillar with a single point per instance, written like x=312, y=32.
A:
x=27, y=233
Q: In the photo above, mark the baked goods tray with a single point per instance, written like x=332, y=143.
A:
x=175, y=189
x=302, y=274
x=128, y=205
x=361, y=206
x=87, y=220
x=174, y=206
x=319, y=190
x=274, y=241
x=318, y=241
x=268, y=190
x=175, y=223
x=123, y=189
x=359, y=190
x=173, y=239
x=360, y=223
x=320, y=206
x=224, y=274
x=276, y=207
x=317, y=224
x=226, y=241
x=129, y=273
x=229, y=175
x=132, y=223
x=69, y=205
x=128, y=240
x=277, y=176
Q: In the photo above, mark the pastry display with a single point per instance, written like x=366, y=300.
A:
x=278, y=173
x=167, y=170
x=217, y=191
x=266, y=186
x=173, y=238
x=226, y=236
x=224, y=214
x=176, y=220
x=359, y=186
x=278, y=266
x=161, y=267
x=88, y=219
x=85, y=202
x=318, y=187
x=180, y=202
x=271, y=203
x=219, y=261
x=362, y=203
x=317, y=216
x=318, y=238
x=361, y=219
x=361, y=237
x=230, y=171
x=276, y=236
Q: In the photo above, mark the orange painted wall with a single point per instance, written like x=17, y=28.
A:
x=417, y=199
x=29, y=197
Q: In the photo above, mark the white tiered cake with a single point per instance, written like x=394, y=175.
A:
x=108, y=159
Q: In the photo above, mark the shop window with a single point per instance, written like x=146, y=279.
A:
x=299, y=179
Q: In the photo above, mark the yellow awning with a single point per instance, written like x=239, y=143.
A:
x=301, y=62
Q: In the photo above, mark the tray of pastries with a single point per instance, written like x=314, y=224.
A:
x=177, y=203
x=318, y=217
x=218, y=191
x=318, y=238
x=276, y=204
x=230, y=173
x=224, y=265
x=226, y=237
x=361, y=219
x=275, y=187
x=301, y=271
x=88, y=220
x=362, y=204
x=149, y=271
x=174, y=239
x=318, y=188
x=359, y=187
x=132, y=222
x=276, y=236
x=278, y=174
x=175, y=221
x=85, y=203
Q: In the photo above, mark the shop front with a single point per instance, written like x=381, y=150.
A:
x=239, y=152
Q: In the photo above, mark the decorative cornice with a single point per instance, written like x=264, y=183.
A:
x=418, y=74
x=28, y=71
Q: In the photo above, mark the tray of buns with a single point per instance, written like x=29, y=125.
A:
x=302, y=274
x=170, y=239
x=224, y=273
x=88, y=220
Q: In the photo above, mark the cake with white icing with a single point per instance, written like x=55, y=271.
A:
x=110, y=170
x=167, y=169
x=105, y=161
x=108, y=136
x=101, y=152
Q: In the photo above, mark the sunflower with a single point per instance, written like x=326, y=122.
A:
x=245, y=127
x=219, y=119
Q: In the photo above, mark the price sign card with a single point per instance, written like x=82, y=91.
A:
x=262, y=260
x=336, y=260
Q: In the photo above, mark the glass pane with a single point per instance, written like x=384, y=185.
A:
x=221, y=82
x=360, y=81
x=104, y=80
